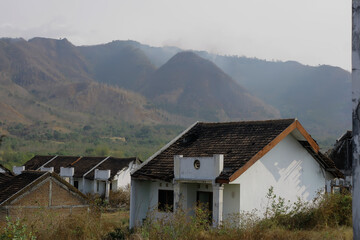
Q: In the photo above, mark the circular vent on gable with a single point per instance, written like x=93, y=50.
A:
x=197, y=164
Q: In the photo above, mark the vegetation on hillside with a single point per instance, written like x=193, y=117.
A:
x=118, y=140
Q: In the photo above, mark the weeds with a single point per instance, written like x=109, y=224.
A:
x=328, y=217
x=16, y=230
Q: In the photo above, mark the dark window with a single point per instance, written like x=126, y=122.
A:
x=76, y=184
x=166, y=200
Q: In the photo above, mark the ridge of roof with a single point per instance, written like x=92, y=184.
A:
x=242, y=144
x=163, y=148
x=106, y=158
x=41, y=176
x=47, y=162
x=36, y=172
x=249, y=122
x=8, y=171
x=295, y=125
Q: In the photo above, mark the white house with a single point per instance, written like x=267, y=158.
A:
x=230, y=166
x=88, y=174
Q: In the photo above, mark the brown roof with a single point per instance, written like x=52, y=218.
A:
x=81, y=164
x=341, y=153
x=6, y=175
x=61, y=161
x=85, y=164
x=17, y=183
x=10, y=189
x=36, y=162
x=242, y=143
x=113, y=164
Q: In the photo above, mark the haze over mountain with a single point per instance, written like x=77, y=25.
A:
x=54, y=81
x=320, y=97
x=196, y=87
x=47, y=79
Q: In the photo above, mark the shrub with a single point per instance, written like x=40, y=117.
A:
x=120, y=198
x=16, y=231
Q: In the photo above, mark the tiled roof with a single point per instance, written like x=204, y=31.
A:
x=81, y=164
x=113, y=164
x=342, y=152
x=6, y=175
x=61, y=161
x=85, y=164
x=238, y=141
x=36, y=162
x=17, y=183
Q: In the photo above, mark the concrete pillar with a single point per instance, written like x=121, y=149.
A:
x=72, y=181
x=177, y=160
x=218, y=193
x=95, y=186
x=132, y=203
x=355, y=75
x=219, y=164
x=107, y=190
x=177, y=195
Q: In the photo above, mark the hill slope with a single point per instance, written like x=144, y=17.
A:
x=192, y=86
x=118, y=63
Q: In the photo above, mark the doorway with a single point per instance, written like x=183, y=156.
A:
x=204, y=200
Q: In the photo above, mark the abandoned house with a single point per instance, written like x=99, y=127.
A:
x=95, y=175
x=34, y=191
x=230, y=167
x=341, y=153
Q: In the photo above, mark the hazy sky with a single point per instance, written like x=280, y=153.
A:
x=309, y=31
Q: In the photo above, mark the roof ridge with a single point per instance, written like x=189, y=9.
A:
x=251, y=121
x=44, y=173
x=164, y=147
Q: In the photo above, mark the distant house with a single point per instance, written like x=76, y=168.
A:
x=95, y=175
x=341, y=153
x=230, y=166
x=24, y=194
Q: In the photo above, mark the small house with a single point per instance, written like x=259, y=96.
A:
x=230, y=167
x=34, y=191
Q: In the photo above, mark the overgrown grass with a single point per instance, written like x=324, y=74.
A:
x=328, y=217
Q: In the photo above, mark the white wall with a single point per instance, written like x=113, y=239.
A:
x=231, y=200
x=210, y=167
x=123, y=177
x=289, y=168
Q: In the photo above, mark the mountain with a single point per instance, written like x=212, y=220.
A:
x=67, y=86
x=118, y=63
x=50, y=80
x=192, y=86
x=320, y=97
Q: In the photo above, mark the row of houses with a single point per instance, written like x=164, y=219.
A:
x=60, y=183
x=227, y=166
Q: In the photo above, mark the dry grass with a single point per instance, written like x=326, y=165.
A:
x=329, y=219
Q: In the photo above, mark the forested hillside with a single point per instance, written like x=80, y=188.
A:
x=125, y=98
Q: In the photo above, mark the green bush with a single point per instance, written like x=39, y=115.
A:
x=16, y=231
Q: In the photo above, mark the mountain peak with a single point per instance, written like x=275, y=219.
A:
x=195, y=87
